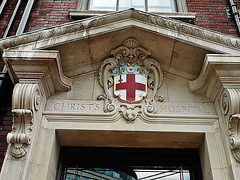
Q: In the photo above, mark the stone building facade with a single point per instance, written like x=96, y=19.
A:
x=69, y=76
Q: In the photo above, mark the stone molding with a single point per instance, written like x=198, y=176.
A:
x=220, y=80
x=37, y=66
x=219, y=71
x=189, y=17
x=26, y=100
x=152, y=19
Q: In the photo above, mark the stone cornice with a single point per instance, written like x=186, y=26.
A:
x=218, y=72
x=33, y=66
x=152, y=19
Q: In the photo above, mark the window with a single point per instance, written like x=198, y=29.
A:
x=144, y=5
x=88, y=163
x=169, y=6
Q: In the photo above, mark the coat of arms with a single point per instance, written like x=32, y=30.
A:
x=130, y=76
x=130, y=82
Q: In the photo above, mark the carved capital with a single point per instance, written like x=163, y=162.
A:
x=26, y=100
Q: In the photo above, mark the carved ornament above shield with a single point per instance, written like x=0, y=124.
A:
x=128, y=78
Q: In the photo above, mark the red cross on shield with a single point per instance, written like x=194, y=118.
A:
x=130, y=87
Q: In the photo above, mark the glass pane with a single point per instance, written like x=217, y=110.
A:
x=99, y=174
x=161, y=6
x=162, y=174
x=134, y=174
x=137, y=4
x=103, y=5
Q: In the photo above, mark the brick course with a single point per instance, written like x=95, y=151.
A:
x=211, y=14
x=5, y=115
x=48, y=13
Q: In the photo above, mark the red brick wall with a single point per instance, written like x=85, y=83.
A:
x=48, y=13
x=5, y=115
x=211, y=14
x=6, y=15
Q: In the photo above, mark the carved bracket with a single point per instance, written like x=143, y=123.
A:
x=234, y=135
x=26, y=101
x=230, y=103
x=20, y=136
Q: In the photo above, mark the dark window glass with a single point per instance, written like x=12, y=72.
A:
x=87, y=163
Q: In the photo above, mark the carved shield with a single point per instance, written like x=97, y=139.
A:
x=130, y=82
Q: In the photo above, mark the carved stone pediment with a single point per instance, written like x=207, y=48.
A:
x=128, y=78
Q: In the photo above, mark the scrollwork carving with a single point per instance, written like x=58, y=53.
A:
x=230, y=103
x=225, y=103
x=234, y=135
x=130, y=52
x=151, y=106
x=156, y=69
x=106, y=81
x=130, y=112
x=108, y=104
x=26, y=101
x=106, y=68
x=20, y=136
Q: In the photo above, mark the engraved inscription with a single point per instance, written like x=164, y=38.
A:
x=74, y=106
x=182, y=108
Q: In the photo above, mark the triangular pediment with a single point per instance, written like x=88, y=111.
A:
x=179, y=47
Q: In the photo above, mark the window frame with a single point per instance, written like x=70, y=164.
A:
x=181, y=5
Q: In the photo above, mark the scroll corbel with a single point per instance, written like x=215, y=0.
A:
x=26, y=101
x=230, y=103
